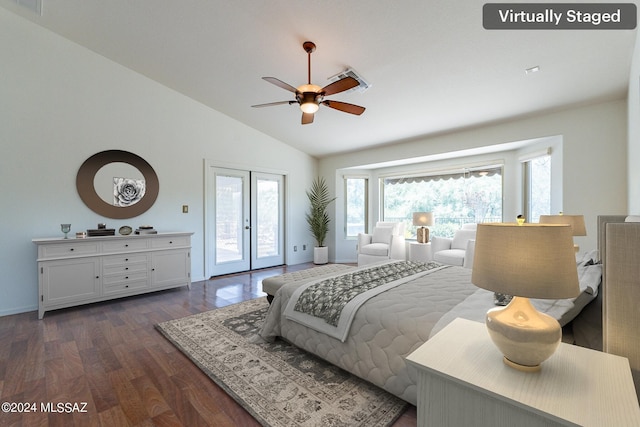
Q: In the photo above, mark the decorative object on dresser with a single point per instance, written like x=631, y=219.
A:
x=80, y=271
x=146, y=229
x=422, y=220
x=125, y=230
x=276, y=382
x=526, y=261
x=575, y=221
x=102, y=230
x=65, y=228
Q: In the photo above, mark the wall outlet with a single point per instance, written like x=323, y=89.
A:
x=185, y=208
x=295, y=249
x=304, y=247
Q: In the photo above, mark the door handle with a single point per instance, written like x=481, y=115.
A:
x=246, y=227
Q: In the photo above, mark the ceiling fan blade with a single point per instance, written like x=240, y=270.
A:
x=340, y=86
x=307, y=118
x=343, y=106
x=280, y=83
x=269, y=104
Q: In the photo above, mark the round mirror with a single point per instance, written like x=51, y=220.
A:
x=117, y=184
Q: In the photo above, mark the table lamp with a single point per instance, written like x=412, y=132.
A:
x=422, y=220
x=526, y=261
x=575, y=221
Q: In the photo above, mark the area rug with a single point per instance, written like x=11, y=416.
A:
x=277, y=383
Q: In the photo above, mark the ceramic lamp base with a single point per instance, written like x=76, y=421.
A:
x=422, y=235
x=525, y=336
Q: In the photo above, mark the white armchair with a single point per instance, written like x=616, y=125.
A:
x=458, y=250
x=385, y=242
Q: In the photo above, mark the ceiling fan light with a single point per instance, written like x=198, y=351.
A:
x=309, y=107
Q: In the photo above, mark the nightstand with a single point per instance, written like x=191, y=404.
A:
x=462, y=381
x=420, y=252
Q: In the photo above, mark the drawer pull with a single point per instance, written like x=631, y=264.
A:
x=71, y=249
x=126, y=259
x=126, y=268
x=170, y=242
x=126, y=277
x=126, y=246
x=126, y=286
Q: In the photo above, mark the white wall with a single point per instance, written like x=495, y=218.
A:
x=594, y=141
x=634, y=132
x=61, y=103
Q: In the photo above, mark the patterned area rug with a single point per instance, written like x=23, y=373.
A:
x=279, y=384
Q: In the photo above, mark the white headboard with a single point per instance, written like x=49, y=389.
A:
x=619, y=246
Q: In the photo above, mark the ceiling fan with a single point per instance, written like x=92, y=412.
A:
x=310, y=96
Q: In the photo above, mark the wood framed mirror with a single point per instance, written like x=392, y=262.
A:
x=87, y=189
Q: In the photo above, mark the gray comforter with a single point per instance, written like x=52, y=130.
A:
x=392, y=324
x=385, y=329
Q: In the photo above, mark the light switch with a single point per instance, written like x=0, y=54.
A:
x=185, y=208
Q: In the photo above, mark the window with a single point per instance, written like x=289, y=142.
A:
x=454, y=198
x=355, y=206
x=537, y=187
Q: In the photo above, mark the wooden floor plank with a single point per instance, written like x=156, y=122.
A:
x=110, y=356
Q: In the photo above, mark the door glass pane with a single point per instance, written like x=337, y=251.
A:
x=229, y=218
x=268, y=217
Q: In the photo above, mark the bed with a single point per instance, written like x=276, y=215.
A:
x=414, y=301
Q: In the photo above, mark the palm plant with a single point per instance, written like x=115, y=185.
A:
x=317, y=217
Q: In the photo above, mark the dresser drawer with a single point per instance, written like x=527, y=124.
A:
x=169, y=242
x=68, y=249
x=131, y=244
x=124, y=259
x=124, y=268
x=131, y=286
x=124, y=277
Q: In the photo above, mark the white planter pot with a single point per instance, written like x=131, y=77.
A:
x=320, y=255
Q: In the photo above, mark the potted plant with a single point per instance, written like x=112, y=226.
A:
x=318, y=218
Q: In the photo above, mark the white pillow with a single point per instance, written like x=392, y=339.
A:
x=632, y=218
x=382, y=234
x=461, y=238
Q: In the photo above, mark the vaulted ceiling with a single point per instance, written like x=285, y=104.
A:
x=432, y=66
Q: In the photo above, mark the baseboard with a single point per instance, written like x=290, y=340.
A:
x=18, y=310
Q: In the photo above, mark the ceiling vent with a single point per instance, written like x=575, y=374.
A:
x=33, y=5
x=363, y=85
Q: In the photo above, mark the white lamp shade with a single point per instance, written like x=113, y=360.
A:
x=422, y=219
x=575, y=221
x=530, y=260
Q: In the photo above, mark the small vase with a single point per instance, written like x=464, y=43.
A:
x=66, y=228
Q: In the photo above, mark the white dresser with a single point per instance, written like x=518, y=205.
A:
x=80, y=271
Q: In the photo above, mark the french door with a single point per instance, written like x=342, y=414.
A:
x=245, y=220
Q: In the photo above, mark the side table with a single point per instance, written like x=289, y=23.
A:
x=420, y=252
x=462, y=381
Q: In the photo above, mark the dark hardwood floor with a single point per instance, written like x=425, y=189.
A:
x=109, y=357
